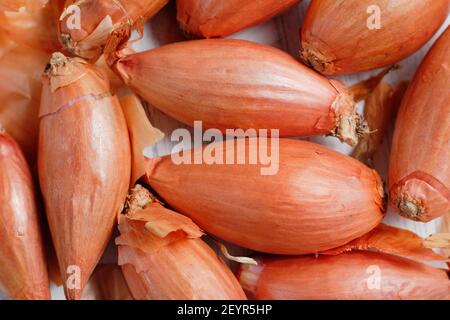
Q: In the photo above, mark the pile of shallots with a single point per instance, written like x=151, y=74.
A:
x=73, y=175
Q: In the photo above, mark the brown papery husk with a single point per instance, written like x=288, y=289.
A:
x=23, y=272
x=362, y=90
x=333, y=43
x=20, y=89
x=34, y=28
x=348, y=276
x=419, y=177
x=142, y=133
x=84, y=163
x=314, y=190
x=380, y=111
x=107, y=283
x=237, y=84
x=217, y=18
x=163, y=257
x=99, y=19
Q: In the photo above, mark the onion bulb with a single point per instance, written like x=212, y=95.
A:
x=23, y=271
x=297, y=196
x=218, y=18
x=341, y=37
x=419, y=174
x=84, y=165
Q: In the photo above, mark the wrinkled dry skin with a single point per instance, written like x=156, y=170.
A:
x=419, y=175
x=218, y=18
x=84, y=163
x=142, y=133
x=349, y=276
x=292, y=212
x=23, y=272
x=231, y=84
x=98, y=19
x=20, y=91
x=336, y=39
x=380, y=111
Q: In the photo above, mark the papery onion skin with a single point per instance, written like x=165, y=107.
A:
x=419, y=175
x=84, y=164
x=291, y=212
x=218, y=18
x=34, y=28
x=336, y=38
x=348, y=276
x=236, y=84
x=15, y=5
x=163, y=257
x=186, y=270
x=23, y=271
x=92, y=13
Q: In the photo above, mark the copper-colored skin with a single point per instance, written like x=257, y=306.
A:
x=318, y=199
x=186, y=270
x=340, y=37
x=419, y=175
x=34, y=27
x=348, y=276
x=20, y=92
x=84, y=165
x=229, y=84
x=218, y=18
x=164, y=258
x=23, y=271
x=92, y=13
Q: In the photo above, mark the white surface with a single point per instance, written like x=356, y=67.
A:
x=281, y=32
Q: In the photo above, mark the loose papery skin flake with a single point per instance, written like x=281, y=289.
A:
x=163, y=257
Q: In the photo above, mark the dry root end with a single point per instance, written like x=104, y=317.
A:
x=138, y=198
x=411, y=209
x=350, y=126
x=315, y=59
x=58, y=65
